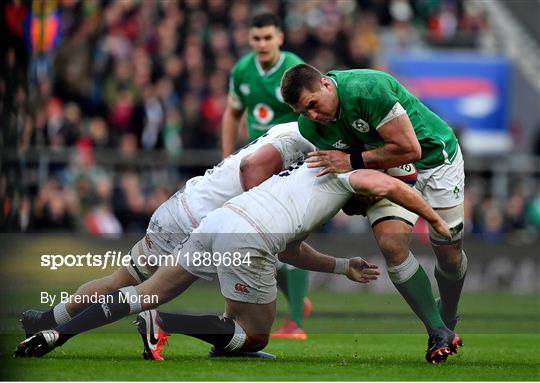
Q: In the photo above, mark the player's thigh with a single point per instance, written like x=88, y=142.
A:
x=121, y=278
x=168, y=227
x=246, y=272
x=255, y=319
x=443, y=186
x=166, y=283
x=386, y=210
x=392, y=226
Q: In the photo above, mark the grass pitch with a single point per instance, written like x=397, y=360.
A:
x=352, y=336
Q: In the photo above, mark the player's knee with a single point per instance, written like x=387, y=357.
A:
x=449, y=258
x=113, y=283
x=394, y=248
x=255, y=342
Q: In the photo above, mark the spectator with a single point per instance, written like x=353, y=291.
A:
x=127, y=77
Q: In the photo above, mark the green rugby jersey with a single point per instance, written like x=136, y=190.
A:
x=258, y=91
x=367, y=100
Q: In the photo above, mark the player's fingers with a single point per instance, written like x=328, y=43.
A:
x=312, y=159
x=324, y=171
x=370, y=277
x=368, y=265
x=315, y=165
x=445, y=233
x=311, y=154
x=371, y=272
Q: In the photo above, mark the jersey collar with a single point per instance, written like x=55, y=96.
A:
x=274, y=68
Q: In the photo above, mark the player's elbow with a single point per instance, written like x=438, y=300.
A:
x=248, y=173
x=378, y=184
x=389, y=187
x=413, y=152
x=383, y=186
x=371, y=183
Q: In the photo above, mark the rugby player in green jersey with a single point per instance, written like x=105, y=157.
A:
x=376, y=123
x=254, y=88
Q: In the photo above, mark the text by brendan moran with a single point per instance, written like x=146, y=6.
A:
x=65, y=297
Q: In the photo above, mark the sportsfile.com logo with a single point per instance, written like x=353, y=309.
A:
x=116, y=259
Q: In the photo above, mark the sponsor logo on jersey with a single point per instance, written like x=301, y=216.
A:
x=148, y=241
x=241, y=288
x=263, y=113
x=340, y=145
x=456, y=192
x=244, y=89
x=279, y=96
x=361, y=126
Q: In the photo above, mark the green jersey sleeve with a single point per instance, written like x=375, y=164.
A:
x=375, y=100
x=234, y=87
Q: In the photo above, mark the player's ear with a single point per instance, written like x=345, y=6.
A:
x=281, y=37
x=325, y=83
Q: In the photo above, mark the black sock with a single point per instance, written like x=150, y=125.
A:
x=96, y=315
x=450, y=292
x=209, y=328
x=47, y=320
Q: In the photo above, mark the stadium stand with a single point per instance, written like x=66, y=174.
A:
x=109, y=106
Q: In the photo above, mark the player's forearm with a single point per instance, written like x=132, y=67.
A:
x=307, y=258
x=229, y=132
x=389, y=155
x=404, y=195
x=401, y=146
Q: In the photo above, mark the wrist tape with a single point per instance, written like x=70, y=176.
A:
x=342, y=266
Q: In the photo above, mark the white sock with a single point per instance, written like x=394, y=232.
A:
x=403, y=272
x=61, y=315
x=132, y=297
x=238, y=339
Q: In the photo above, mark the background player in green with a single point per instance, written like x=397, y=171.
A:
x=254, y=88
x=359, y=110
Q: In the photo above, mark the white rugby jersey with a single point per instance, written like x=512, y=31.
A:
x=221, y=183
x=293, y=203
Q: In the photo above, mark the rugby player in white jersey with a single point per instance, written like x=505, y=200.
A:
x=179, y=216
x=272, y=218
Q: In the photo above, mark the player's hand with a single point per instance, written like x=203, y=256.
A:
x=442, y=228
x=362, y=271
x=332, y=161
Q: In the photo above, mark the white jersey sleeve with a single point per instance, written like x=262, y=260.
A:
x=291, y=144
x=292, y=203
x=221, y=183
x=344, y=180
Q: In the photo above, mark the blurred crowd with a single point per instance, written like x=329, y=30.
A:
x=88, y=80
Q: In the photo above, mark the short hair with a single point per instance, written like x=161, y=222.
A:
x=265, y=20
x=298, y=78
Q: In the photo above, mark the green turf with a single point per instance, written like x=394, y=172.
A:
x=322, y=357
x=352, y=336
